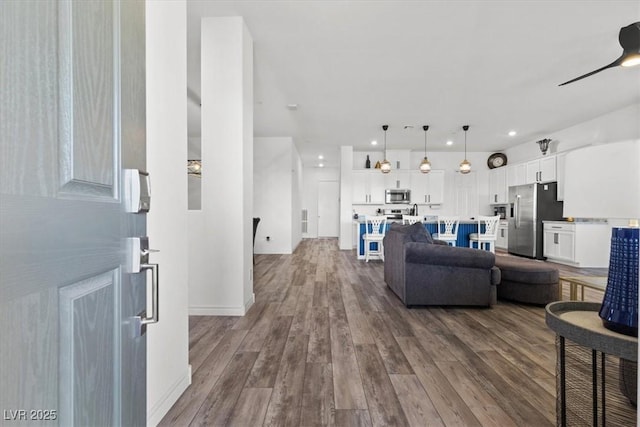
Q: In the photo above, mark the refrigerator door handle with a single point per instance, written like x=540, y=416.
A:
x=517, y=211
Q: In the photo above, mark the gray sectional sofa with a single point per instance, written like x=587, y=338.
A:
x=421, y=271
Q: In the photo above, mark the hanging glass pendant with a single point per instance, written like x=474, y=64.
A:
x=385, y=166
x=465, y=167
x=425, y=166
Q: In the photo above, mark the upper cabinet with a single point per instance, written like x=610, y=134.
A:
x=399, y=159
x=368, y=187
x=498, y=192
x=516, y=174
x=541, y=170
x=427, y=188
x=397, y=178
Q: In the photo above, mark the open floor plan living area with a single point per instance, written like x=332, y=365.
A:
x=328, y=343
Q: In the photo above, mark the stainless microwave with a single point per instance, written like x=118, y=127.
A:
x=397, y=196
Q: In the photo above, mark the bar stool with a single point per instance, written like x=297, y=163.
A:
x=489, y=235
x=375, y=228
x=448, y=229
x=411, y=219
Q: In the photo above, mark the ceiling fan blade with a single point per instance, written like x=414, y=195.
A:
x=613, y=64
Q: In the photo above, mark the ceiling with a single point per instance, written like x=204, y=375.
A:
x=352, y=66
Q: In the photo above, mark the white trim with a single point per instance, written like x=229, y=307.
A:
x=208, y=310
x=170, y=397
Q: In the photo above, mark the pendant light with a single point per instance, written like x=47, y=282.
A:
x=385, y=166
x=465, y=166
x=425, y=165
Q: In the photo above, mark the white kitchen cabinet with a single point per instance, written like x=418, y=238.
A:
x=368, y=187
x=516, y=174
x=541, y=170
x=498, y=185
x=580, y=244
x=502, y=241
x=427, y=188
x=397, y=179
x=399, y=159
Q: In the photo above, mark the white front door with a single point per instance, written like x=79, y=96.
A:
x=72, y=117
x=328, y=208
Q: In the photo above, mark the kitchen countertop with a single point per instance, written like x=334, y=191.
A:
x=593, y=222
x=360, y=220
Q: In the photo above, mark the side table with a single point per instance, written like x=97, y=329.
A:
x=596, y=368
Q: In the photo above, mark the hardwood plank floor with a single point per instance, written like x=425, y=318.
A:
x=327, y=343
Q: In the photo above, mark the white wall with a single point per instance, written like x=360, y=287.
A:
x=619, y=125
x=167, y=341
x=313, y=175
x=220, y=245
x=277, y=195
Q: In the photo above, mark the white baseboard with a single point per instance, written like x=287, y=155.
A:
x=171, y=396
x=204, y=310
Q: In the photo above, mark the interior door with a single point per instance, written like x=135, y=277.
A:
x=328, y=208
x=72, y=117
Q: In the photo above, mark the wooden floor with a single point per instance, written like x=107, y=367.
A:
x=327, y=343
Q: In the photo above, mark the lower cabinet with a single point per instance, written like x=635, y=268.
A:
x=502, y=241
x=581, y=244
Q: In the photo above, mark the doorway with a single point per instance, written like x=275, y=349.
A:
x=328, y=208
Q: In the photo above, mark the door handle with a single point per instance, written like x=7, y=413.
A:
x=555, y=238
x=517, y=211
x=141, y=321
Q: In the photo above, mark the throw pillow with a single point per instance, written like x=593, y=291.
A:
x=419, y=233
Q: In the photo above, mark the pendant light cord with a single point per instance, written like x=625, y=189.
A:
x=465, y=128
x=426, y=128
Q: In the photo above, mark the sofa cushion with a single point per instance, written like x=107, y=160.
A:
x=417, y=231
x=524, y=270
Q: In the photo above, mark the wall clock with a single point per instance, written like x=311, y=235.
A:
x=496, y=160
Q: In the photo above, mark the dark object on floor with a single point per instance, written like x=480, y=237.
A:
x=423, y=271
x=526, y=280
x=255, y=227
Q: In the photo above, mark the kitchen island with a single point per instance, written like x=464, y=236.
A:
x=466, y=227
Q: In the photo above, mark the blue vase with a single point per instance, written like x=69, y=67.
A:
x=619, y=311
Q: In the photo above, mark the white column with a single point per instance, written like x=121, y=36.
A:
x=346, y=198
x=168, y=373
x=221, y=281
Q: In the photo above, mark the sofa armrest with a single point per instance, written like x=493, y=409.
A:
x=426, y=253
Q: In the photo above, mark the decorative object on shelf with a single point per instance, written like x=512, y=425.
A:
x=425, y=165
x=615, y=163
x=377, y=166
x=496, y=160
x=465, y=166
x=619, y=311
x=544, y=145
x=385, y=166
x=194, y=168
x=367, y=164
x=629, y=38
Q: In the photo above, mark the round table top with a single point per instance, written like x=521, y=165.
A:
x=579, y=322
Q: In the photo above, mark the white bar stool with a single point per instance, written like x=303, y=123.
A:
x=375, y=228
x=490, y=234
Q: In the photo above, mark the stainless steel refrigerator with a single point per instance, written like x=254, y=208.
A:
x=530, y=204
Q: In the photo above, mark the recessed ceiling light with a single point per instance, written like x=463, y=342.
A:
x=449, y=142
x=321, y=165
x=292, y=106
x=374, y=142
x=320, y=157
x=512, y=133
